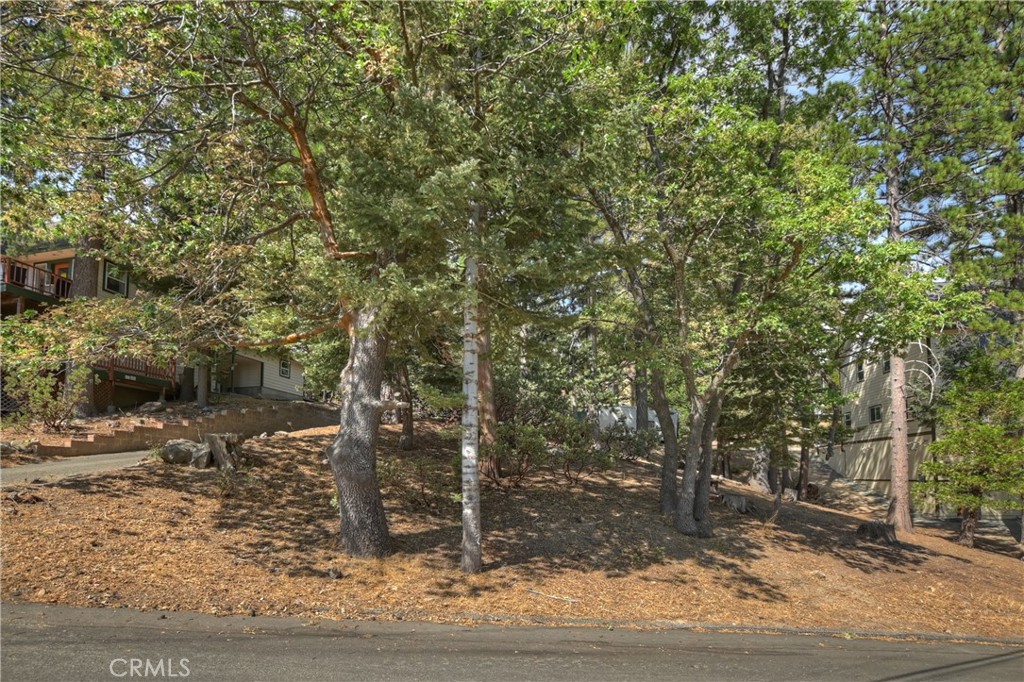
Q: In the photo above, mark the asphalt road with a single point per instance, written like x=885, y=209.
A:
x=72, y=466
x=58, y=643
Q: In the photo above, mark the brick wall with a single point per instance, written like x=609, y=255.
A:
x=246, y=421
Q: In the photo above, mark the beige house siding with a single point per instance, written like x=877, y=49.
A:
x=865, y=455
x=277, y=385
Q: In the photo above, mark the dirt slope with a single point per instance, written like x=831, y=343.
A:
x=264, y=542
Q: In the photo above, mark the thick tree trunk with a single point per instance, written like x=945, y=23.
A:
x=188, y=384
x=85, y=280
x=670, y=462
x=408, y=439
x=969, y=517
x=472, y=559
x=491, y=465
x=899, y=509
x=203, y=383
x=353, y=453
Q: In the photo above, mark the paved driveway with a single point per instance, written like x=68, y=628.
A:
x=72, y=466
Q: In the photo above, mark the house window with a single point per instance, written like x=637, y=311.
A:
x=886, y=365
x=848, y=419
x=876, y=414
x=285, y=369
x=860, y=371
x=115, y=280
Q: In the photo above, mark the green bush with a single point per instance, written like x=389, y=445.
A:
x=626, y=444
x=519, y=449
x=47, y=395
x=576, y=454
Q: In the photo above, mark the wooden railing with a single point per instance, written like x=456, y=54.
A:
x=34, y=279
x=138, y=367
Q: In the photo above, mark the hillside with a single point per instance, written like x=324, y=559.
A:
x=264, y=542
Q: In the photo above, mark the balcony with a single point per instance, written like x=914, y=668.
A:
x=25, y=279
x=135, y=370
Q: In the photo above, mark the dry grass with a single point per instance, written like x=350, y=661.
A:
x=161, y=537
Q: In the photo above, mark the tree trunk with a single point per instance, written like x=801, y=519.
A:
x=686, y=523
x=899, y=510
x=759, y=471
x=85, y=281
x=491, y=465
x=353, y=453
x=702, y=500
x=224, y=448
x=805, y=471
x=203, y=390
x=670, y=463
x=408, y=439
x=188, y=384
x=387, y=393
x=472, y=560
x=969, y=517
x=640, y=391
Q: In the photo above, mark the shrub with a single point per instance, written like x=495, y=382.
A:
x=575, y=454
x=519, y=449
x=626, y=444
x=48, y=395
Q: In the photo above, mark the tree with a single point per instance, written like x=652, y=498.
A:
x=979, y=458
x=763, y=207
x=927, y=85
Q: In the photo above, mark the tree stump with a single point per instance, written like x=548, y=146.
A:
x=225, y=448
x=876, y=531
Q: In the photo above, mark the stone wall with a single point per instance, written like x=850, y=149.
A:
x=250, y=421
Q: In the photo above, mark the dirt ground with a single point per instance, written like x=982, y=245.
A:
x=264, y=541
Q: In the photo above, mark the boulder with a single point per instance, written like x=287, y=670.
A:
x=203, y=457
x=152, y=407
x=180, y=451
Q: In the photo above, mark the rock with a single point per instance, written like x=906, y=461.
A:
x=152, y=407
x=10, y=447
x=790, y=494
x=281, y=433
x=264, y=435
x=203, y=457
x=180, y=451
x=738, y=503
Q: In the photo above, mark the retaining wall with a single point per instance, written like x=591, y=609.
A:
x=250, y=421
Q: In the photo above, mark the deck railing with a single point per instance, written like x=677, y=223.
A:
x=32, y=278
x=139, y=367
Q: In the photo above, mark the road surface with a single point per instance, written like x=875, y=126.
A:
x=58, y=643
x=71, y=466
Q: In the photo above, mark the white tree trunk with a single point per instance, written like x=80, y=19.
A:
x=471, y=529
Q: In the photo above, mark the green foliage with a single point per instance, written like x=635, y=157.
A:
x=45, y=393
x=628, y=444
x=519, y=449
x=575, y=454
x=978, y=459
